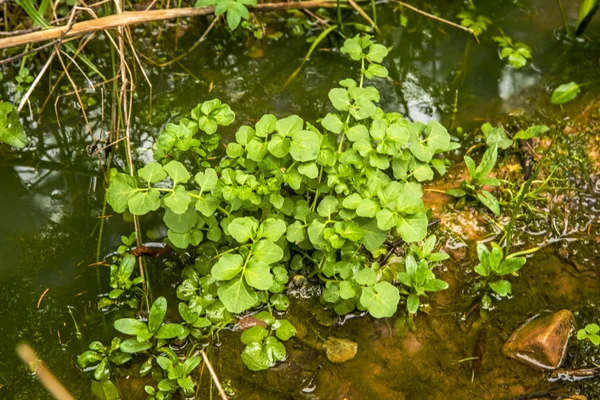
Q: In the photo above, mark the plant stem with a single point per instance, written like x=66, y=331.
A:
x=564, y=18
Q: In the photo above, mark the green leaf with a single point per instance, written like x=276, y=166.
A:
x=258, y=274
x=132, y=345
x=180, y=223
x=305, y=146
x=532, y=131
x=511, y=265
x=267, y=251
x=272, y=229
x=373, y=237
x=266, y=125
x=207, y=205
x=130, y=326
x=289, y=125
x=412, y=303
x=244, y=135
x=327, y=206
x=279, y=146
x=122, y=188
x=357, y=132
x=309, y=169
x=352, y=202
x=347, y=290
x=381, y=300
x=178, y=200
x=206, y=180
x=169, y=331
x=243, y=229
x=340, y=99
x=501, y=287
x=152, y=173
x=316, y=232
x=177, y=172
x=565, y=93
x=295, y=232
x=488, y=200
x=254, y=334
x=587, y=9
x=435, y=285
x=353, y=48
x=11, y=130
x=487, y=162
x=438, y=138
x=228, y=266
x=237, y=296
x=332, y=123
x=105, y=390
x=143, y=202
x=377, y=53
x=157, y=313
x=592, y=328
x=367, y=208
x=386, y=219
x=412, y=228
x=366, y=276
x=284, y=330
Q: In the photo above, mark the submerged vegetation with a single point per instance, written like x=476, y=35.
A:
x=268, y=233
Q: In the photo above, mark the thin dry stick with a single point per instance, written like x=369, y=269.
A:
x=138, y=17
x=179, y=57
x=42, y=297
x=36, y=81
x=362, y=13
x=87, y=122
x=62, y=75
x=130, y=40
x=433, y=16
x=213, y=375
x=44, y=375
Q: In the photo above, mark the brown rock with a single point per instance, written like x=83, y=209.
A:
x=340, y=350
x=541, y=342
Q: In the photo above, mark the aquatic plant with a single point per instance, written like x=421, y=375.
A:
x=101, y=358
x=517, y=53
x=478, y=178
x=493, y=267
x=419, y=278
x=590, y=332
x=286, y=196
x=263, y=350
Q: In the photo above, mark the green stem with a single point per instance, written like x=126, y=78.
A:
x=339, y=16
x=564, y=18
x=374, y=12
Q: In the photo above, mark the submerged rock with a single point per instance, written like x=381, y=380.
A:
x=541, y=342
x=339, y=350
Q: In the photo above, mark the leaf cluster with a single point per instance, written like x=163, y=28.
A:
x=478, y=24
x=100, y=358
x=478, y=177
x=493, y=266
x=263, y=347
x=590, y=332
x=234, y=10
x=517, y=53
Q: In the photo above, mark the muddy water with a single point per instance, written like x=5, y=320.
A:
x=51, y=199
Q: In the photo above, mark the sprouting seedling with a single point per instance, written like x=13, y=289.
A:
x=100, y=357
x=493, y=266
x=478, y=177
x=590, y=332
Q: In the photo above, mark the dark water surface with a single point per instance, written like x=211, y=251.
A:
x=51, y=199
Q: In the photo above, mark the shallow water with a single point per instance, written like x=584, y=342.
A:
x=52, y=199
